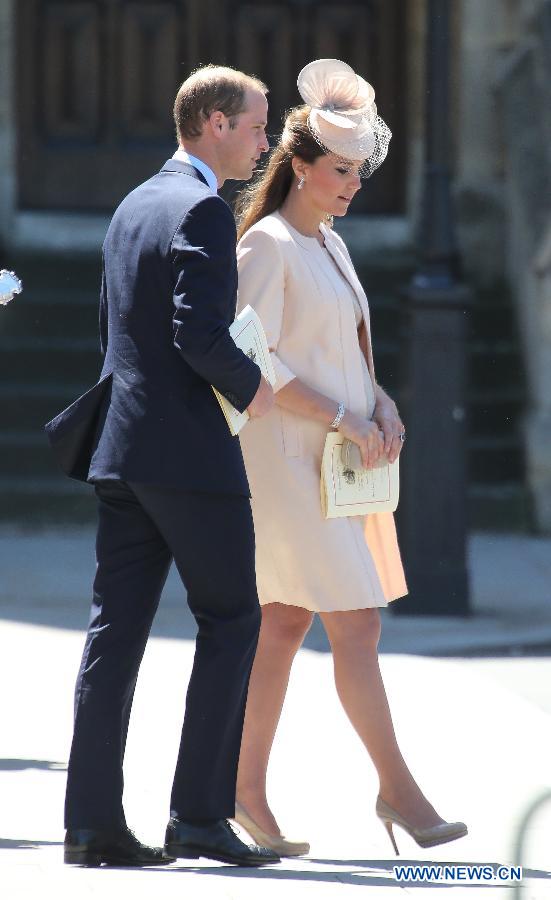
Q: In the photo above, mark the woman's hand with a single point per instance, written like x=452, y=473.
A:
x=388, y=420
x=366, y=435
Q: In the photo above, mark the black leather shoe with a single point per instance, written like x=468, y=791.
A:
x=217, y=841
x=92, y=847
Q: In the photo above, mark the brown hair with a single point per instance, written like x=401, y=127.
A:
x=268, y=192
x=208, y=89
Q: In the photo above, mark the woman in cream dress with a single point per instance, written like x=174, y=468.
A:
x=297, y=274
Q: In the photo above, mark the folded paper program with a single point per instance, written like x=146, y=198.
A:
x=347, y=491
x=248, y=334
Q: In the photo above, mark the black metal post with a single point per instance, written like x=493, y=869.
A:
x=432, y=515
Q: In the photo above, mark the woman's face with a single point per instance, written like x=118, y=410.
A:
x=331, y=183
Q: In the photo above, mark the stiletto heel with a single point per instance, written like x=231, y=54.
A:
x=425, y=837
x=388, y=825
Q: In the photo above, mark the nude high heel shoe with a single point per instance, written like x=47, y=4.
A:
x=273, y=841
x=425, y=837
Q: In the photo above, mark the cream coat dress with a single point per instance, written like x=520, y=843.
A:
x=310, y=302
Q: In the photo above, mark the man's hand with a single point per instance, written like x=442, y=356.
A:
x=387, y=418
x=262, y=401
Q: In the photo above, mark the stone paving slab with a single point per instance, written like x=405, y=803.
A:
x=476, y=732
x=46, y=576
x=479, y=748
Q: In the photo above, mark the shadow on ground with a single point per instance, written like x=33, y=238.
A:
x=20, y=765
x=360, y=872
x=21, y=844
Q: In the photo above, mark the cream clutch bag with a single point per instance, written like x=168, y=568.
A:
x=347, y=489
x=350, y=455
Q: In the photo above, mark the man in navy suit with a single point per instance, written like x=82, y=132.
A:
x=170, y=483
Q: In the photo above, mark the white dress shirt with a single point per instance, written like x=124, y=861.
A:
x=184, y=156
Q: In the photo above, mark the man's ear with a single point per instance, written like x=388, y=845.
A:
x=217, y=121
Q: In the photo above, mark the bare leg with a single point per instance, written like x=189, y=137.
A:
x=354, y=636
x=281, y=634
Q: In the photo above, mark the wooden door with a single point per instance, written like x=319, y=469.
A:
x=96, y=82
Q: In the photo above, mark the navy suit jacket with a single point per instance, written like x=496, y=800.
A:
x=168, y=296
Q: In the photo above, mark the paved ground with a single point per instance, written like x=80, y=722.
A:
x=474, y=723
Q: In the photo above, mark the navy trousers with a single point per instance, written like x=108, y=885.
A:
x=211, y=539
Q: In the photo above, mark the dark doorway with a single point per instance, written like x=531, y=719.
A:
x=96, y=81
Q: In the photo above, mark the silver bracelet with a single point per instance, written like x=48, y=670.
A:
x=338, y=418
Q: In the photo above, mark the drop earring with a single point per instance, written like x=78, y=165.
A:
x=300, y=183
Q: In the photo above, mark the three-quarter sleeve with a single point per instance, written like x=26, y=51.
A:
x=261, y=285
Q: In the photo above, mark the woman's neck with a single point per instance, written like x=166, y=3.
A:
x=301, y=215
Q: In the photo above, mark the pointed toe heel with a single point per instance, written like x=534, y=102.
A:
x=424, y=837
x=275, y=842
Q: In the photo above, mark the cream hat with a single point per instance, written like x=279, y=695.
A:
x=343, y=117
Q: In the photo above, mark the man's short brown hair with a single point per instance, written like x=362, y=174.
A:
x=207, y=90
